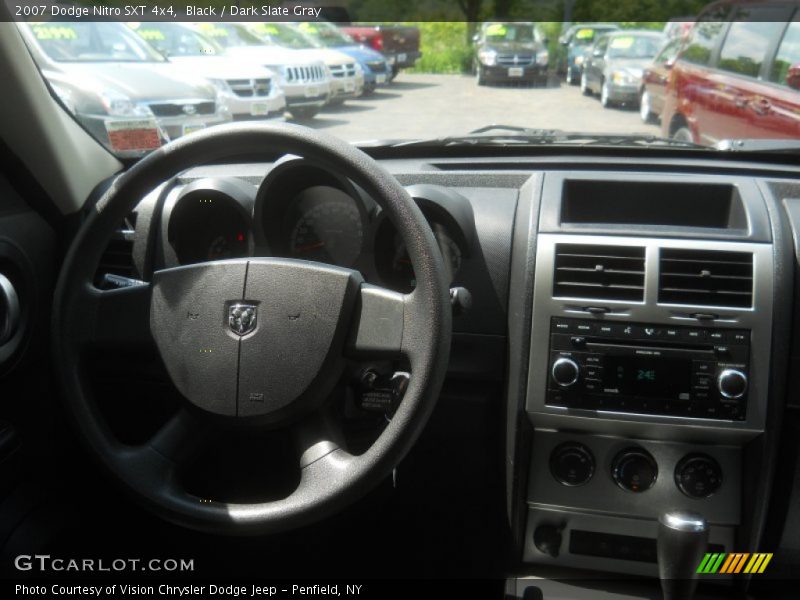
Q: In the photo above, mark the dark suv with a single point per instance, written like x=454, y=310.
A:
x=511, y=52
x=738, y=75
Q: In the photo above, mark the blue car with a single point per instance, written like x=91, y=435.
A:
x=376, y=70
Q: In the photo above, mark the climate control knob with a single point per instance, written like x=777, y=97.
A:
x=635, y=470
x=732, y=384
x=565, y=371
x=698, y=475
x=572, y=464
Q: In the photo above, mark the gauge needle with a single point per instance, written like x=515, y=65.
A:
x=308, y=247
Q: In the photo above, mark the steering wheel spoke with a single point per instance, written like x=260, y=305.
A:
x=181, y=437
x=317, y=436
x=114, y=318
x=379, y=323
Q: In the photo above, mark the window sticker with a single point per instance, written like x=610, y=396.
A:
x=133, y=135
x=622, y=43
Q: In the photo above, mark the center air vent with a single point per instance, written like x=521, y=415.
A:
x=118, y=256
x=706, y=277
x=599, y=272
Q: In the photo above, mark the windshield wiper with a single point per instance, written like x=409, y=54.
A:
x=511, y=135
x=758, y=145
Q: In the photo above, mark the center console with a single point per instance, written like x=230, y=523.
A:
x=649, y=362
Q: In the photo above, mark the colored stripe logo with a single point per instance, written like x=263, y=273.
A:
x=734, y=562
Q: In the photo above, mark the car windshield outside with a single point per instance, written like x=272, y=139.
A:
x=728, y=74
x=176, y=40
x=633, y=46
x=91, y=42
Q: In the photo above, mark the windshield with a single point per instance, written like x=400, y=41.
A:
x=326, y=34
x=230, y=35
x=633, y=46
x=176, y=40
x=509, y=32
x=91, y=42
x=437, y=83
x=283, y=35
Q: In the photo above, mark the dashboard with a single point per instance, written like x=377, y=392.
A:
x=305, y=212
x=633, y=315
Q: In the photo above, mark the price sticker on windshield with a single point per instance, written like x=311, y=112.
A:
x=496, y=29
x=212, y=30
x=54, y=32
x=584, y=34
x=133, y=135
x=622, y=43
x=265, y=28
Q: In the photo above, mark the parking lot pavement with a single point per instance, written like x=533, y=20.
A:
x=415, y=106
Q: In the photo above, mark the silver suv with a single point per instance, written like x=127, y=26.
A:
x=156, y=101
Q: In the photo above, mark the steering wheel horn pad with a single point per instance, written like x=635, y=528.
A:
x=253, y=338
x=257, y=342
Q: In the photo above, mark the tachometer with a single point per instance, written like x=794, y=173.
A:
x=327, y=227
x=398, y=271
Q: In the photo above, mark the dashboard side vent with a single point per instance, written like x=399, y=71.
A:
x=118, y=256
x=705, y=277
x=599, y=272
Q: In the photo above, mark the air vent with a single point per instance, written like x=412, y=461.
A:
x=118, y=257
x=706, y=277
x=599, y=272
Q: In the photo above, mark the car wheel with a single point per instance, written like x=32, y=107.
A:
x=369, y=89
x=605, y=95
x=585, y=85
x=336, y=102
x=683, y=134
x=304, y=113
x=479, y=79
x=645, y=112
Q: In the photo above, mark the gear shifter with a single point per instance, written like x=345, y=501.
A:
x=682, y=542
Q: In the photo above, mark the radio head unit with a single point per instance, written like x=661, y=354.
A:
x=649, y=369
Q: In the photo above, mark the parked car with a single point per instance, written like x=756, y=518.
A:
x=613, y=66
x=511, y=52
x=737, y=78
x=398, y=43
x=575, y=41
x=347, y=76
x=250, y=91
x=156, y=102
x=306, y=81
x=654, y=81
x=376, y=68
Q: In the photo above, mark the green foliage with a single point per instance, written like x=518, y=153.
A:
x=444, y=48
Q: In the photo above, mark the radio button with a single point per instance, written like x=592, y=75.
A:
x=594, y=359
x=585, y=327
x=740, y=337
x=672, y=334
x=718, y=336
x=562, y=326
x=607, y=329
x=703, y=366
x=702, y=380
x=694, y=335
x=578, y=341
x=592, y=385
x=593, y=372
x=652, y=332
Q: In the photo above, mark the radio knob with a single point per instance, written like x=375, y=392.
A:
x=565, y=371
x=732, y=384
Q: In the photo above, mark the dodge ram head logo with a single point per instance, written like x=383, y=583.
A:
x=189, y=109
x=242, y=318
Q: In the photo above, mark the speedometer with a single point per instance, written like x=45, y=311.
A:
x=327, y=227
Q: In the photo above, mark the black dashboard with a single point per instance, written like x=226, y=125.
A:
x=566, y=258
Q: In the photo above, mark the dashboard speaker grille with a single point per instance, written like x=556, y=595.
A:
x=705, y=277
x=599, y=272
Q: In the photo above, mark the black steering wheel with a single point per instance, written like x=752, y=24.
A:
x=255, y=342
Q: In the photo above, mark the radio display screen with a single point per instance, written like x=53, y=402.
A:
x=655, y=377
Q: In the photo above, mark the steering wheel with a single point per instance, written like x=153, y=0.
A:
x=253, y=342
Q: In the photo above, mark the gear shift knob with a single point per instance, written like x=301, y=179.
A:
x=682, y=542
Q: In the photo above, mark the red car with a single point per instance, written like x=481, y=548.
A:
x=738, y=75
x=654, y=81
